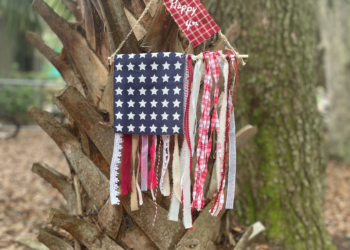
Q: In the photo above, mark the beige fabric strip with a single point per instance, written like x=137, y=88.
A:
x=135, y=142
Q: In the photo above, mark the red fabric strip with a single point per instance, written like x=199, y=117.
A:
x=126, y=165
x=152, y=178
x=187, y=119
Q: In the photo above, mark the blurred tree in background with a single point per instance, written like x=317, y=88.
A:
x=334, y=28
x=19, y=59
x=281, y=175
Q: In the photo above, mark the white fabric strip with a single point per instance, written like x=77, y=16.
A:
x=174, y=209
x=186, y=186
x=114, y=192
x=197, y=76
x=133, y=197
x=164, y=184
x=232, y=164
x=176, y=170
x=176, y=198
x=223, y=64
x=139, y=193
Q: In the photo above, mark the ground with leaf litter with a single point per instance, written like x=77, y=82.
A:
x=25, y=198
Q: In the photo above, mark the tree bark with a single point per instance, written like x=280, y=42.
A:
x=282, y=181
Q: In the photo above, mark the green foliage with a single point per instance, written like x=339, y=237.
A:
x=17, y=100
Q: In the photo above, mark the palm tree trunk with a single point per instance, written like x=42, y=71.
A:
x=87, y=141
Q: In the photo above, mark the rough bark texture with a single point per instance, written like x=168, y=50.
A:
x=334, y=25
x=281, y=183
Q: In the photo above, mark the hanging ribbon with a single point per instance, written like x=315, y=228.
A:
x=144, y=163
x=198, y=72
x=139, y=193
x=133, y=197
x=222, y=134
x=232, y=165
x=126, y=165
x=176, y=197
x=164, y=184
x=152, y=175
x=154, y=195
x=204, y=144
x=114, y=188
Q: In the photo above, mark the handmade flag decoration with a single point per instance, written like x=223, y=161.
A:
x=193, y=19
x=155, y=103
x=149, y=93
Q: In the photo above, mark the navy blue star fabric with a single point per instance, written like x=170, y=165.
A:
x=149, y=93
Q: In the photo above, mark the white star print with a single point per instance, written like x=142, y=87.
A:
x=142, y=116
x=131, y=56
x=142, y=91
x=177, y=91
x=142, y=128
x=165, y=116
x=177, y=65
x=165, y=78
x=130, y=78
x=178, y=54
x=176, y=103
x=154, y=78
x=165, y=91
x=131, y=116
x=118, y=91
x=176, y=116
x=165, y=103
x=166, y=54
x=119, y=127
x=130, y=91
x=142, y=78
x=176, y=129
x=154, y=91
x=154, y=54
x=119, y=103
x=119, y=67
x=131, y=128
x=164, y=129
x=143, y=55
x=177, y=78
x=119, y=116
x=142, y=104
x=154, y=66
x=153, y=116
x=154, y=103
x=153, y=128
x=119, y=79
x=119, y=56
x=130, y=66
x=142, y=66
x=166, y=66
x=131, y=103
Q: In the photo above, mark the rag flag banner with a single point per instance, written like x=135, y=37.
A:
x=149, y=93
x=156, y=126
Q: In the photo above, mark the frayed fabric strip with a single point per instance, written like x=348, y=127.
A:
x=164, y=184
x=144, y=163
x=114, y=181
x=232, y=165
